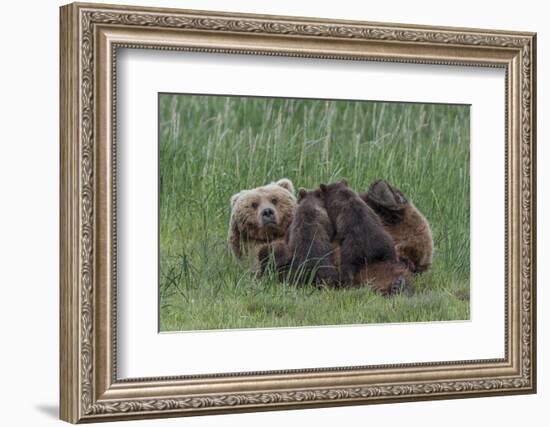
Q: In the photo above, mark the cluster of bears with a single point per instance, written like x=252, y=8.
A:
x=332, y=236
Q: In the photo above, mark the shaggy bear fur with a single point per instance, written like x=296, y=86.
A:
x=403, y=221
x=308, y=249
x=260, y=215
x=358, y=231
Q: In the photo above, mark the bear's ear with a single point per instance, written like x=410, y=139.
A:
x=287, y=185
x=302, y=193
x=323, y=188
x=345, y=182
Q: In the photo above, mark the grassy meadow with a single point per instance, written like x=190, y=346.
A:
x=213, y=146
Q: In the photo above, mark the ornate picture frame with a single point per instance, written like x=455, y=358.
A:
x=90, y=37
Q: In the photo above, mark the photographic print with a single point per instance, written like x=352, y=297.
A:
x=306, y=198
x=287, y=212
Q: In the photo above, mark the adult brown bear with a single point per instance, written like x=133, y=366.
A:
x=260, y=215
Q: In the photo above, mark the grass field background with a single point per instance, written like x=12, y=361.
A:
x=213, y=146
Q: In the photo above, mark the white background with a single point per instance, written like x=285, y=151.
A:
x=29, y=172
x=143, y=352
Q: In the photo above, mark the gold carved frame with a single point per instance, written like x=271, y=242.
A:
x=90, y=36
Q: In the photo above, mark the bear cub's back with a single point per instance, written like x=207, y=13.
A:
x=357, y=227
x=311, y=230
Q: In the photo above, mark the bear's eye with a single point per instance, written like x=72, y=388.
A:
x=274, y=201
x=254, y=205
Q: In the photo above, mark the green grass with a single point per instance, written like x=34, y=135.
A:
x=213, y=146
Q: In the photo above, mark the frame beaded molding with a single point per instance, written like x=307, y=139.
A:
x=90, y=17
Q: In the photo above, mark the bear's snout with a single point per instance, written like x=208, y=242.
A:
x=268, y=216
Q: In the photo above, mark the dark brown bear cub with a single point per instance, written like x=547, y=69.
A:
x=308, y=251
x=358, y=231
x=403, y=221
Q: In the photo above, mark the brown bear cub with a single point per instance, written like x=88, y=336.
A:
x=307, y=254
x=358, y=231
x=403, y=221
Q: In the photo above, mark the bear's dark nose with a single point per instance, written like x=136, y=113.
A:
x=268, y=213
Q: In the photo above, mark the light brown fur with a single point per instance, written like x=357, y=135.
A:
x=413, y=238
x=409, y=229
x=248, y=229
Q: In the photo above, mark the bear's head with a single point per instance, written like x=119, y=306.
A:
x=336, y=191
x=311, y=209
x=304, y=194
x=335, y=186
x=261, y=214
